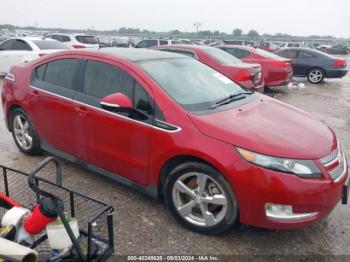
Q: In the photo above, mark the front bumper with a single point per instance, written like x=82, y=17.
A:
x=256, y=187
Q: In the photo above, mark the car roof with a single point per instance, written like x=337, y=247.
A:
x=138, y=54
x=185, y=47
x=69, y=34
x=31, y=38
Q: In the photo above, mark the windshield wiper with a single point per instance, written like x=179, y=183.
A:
x=226, y=101
x=233, y=96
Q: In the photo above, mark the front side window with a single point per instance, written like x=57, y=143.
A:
x=49, y=44
x=190, y=83
x=40, y=72
x=222, y=57
x=289, y=53
x=61, y=72
x=102, y=79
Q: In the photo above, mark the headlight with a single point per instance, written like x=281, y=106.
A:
x=301, y=168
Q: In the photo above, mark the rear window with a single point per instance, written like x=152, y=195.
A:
x=49, y=44
x=222, y=57
x=87, y=39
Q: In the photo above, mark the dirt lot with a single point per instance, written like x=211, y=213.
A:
x=143, y=225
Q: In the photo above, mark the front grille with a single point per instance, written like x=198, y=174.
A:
x=335, y=163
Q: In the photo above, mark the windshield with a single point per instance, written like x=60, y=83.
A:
x=190, y=83
x=266, y=53
x=49, y=44
x=86, y=39
x=222, y=56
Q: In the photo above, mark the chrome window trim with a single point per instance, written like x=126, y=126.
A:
x=178, y=129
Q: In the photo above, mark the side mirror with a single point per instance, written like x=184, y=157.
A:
x=117, y=102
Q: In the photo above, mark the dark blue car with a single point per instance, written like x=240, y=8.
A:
x=313, y=64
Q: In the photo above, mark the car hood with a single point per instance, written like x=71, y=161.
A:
x=270, y=127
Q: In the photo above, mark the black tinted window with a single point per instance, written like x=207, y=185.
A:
x=21, y=45
x=151, y=43
x=49, y=44
x=290, y=53
x=142, y=100
x=102, y=79
x=7, y=45
x=39, y=72
x=142, y=44
x=61, y=72
x=304, y=54
x=239, y=53
x=163, y=42
x=86, y=39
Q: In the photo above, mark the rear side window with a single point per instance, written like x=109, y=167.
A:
x=151, y=43
x=61, y=72
x=304, y=54
x=49, y=44
x=7, y=45
x=239, y=53
x=290, y=53
x=21, y=45
x=85, y=39
x=163, y=42
x=102, y=79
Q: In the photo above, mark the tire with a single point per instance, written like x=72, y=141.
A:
x=24, y=134
x=315, y=75
x=181, y=190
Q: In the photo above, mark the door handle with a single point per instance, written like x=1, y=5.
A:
x=82, y=110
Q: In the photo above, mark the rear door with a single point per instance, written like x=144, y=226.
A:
x=116, y=142
x=53, y=87
x=292, y=54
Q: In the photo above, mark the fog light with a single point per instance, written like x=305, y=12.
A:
x=285, y=212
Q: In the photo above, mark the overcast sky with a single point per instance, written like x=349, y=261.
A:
x=297, y=17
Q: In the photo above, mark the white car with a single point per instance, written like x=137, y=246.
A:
x=24, y=49
x=156, y=42
x=76, y=40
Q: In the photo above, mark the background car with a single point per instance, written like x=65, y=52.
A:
x=277, y=71
x=247, y=75
x=76, y=40
x=313, y=64
x=337, y=49
x=268, y=46
x=24, y=49
x=156, y=42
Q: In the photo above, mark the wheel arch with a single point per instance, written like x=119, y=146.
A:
x=8, y=116
x=174, y=161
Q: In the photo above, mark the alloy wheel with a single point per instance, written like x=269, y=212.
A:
x=315, y=76
x=199, y=199
x=21, y=131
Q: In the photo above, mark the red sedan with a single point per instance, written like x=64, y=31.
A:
x=246, y=75
x=277, y=71
x=172, y=127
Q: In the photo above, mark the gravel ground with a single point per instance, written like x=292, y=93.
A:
x=144, y=227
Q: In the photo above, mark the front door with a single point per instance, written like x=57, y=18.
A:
x=118, y=143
